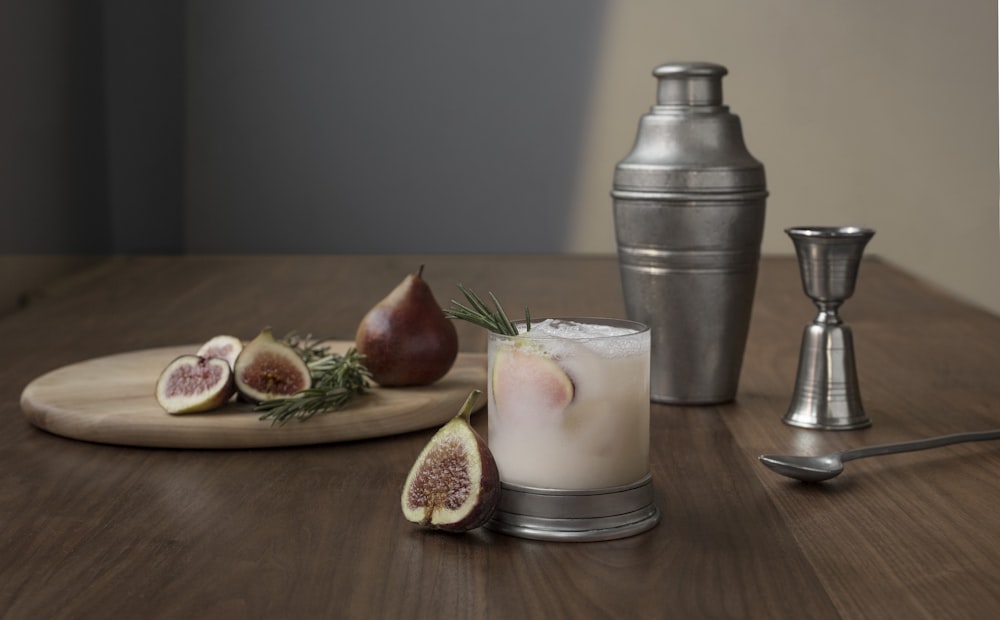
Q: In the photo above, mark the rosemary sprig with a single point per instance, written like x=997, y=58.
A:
x=336, y=379
x=478, y=313
x=308, y=348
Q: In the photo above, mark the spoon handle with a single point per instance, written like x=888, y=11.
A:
x=919, y=444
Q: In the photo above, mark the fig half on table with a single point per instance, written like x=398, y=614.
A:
x=454, y=485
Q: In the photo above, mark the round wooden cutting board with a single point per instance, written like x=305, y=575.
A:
x=110, y=400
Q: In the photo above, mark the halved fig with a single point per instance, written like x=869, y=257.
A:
x=526, y=380
x=267, y=369
x=223, y=346
x=192, y=383
x=454, y=485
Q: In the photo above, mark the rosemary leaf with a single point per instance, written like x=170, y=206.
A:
x=308, y=348
x=509, y=328
x=478, y=313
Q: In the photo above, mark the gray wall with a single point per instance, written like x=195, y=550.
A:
x=91, y=127
x=298, y=126
x=379, y=126
x=144, y=117
x=53, y=196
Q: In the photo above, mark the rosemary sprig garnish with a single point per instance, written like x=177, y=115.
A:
x=336, y=380
x=478, y=313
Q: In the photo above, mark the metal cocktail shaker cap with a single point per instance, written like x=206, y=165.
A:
x=689, y=141
x=689, y=202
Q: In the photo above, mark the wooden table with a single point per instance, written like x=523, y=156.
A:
x=101, y=531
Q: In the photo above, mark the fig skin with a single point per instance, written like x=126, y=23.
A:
x=267, y=369
x=406, y=338
x=481, y=498
x=217, y=394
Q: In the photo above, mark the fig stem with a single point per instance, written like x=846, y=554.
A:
x=469, y=405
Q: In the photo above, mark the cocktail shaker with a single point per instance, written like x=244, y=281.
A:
x=689, y=202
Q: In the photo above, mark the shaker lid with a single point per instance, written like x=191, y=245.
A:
x=689, y=83
x=689, y=141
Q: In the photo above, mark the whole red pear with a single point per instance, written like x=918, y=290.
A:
x=406, y=338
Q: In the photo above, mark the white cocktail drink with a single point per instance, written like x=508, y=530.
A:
x=569, y=403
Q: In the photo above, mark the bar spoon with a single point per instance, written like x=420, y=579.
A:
x=824, y=467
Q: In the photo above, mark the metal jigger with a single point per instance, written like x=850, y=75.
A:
x=826, y=388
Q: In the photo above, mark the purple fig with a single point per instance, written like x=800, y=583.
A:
x=454, y=485
x=267, y=369
x=192, y=383
x=224, y=347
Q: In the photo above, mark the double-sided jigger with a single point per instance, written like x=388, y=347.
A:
x=826, y=393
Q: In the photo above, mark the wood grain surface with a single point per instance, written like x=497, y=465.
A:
x=91, y=530
x=110, y=400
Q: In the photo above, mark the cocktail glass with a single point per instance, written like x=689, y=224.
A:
x=569, y=428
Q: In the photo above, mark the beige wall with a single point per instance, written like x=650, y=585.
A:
x=881, y=114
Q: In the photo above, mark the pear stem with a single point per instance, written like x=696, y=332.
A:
x=469, y=405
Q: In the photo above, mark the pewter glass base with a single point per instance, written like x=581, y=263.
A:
x=576, y=515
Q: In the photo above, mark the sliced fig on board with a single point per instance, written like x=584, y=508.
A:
x=192, y=383
x=268, y=369
x=454, y=485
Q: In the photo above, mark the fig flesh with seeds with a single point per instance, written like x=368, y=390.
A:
x=267, y=368
x=222, y=346
x=454, y=485
x=191, y=383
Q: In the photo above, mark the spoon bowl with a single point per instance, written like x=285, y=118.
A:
x=805, y=468
x=826, y=466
